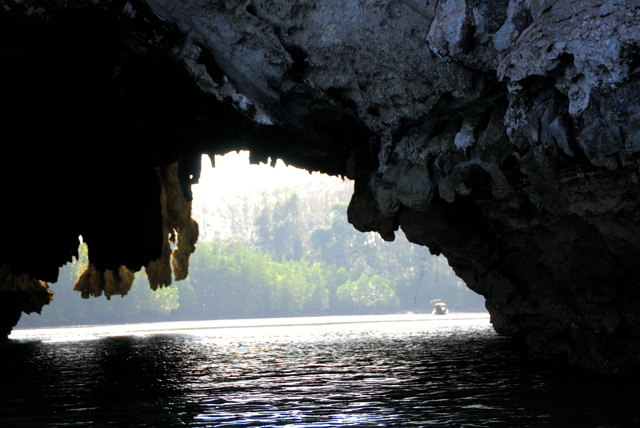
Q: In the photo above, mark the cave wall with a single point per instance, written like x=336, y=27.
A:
x=503, y=134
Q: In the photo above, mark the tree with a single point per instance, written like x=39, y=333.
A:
x=279, y=229
x=369, y=293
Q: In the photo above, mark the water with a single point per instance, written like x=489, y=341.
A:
x=387, y=371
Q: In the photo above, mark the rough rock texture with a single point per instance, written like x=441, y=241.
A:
x=19, y=293
x=504, y=134
x=181, y=229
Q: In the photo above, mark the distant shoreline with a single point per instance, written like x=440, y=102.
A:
x=107, y=330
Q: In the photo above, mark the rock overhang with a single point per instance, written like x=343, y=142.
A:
x=503, y=134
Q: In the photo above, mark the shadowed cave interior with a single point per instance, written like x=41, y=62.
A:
x=515, y=159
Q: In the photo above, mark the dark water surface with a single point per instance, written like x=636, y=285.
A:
x=395, y=371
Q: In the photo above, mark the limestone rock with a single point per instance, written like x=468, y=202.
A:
x=178, y=227
x=19, y=293
x=94, y=282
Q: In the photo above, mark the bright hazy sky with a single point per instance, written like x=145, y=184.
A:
x=234, y=174
x=234, y=177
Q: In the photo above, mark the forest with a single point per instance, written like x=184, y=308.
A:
x=276, y=251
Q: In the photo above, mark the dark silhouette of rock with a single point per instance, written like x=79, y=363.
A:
x=503, y=134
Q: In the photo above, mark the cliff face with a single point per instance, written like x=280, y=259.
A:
x=504, y=134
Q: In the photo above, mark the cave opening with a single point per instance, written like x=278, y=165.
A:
x=274, y=241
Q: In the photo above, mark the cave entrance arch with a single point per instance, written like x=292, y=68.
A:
x=523, y=173
x=274, y=241
x=298, y=221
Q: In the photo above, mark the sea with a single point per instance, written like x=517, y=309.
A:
x=401, y=370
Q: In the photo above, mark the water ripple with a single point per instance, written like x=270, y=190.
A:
x=430, y=372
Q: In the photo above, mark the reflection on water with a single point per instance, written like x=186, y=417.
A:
x=371, y=371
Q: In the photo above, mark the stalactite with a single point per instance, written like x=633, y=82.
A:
x=94, y=282
x=178, y=228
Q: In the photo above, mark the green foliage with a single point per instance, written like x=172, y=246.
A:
x=369, y=293
x=279, y=229
x=230, y=280
x=165, y=301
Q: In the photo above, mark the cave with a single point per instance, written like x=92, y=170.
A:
x=503, y=134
